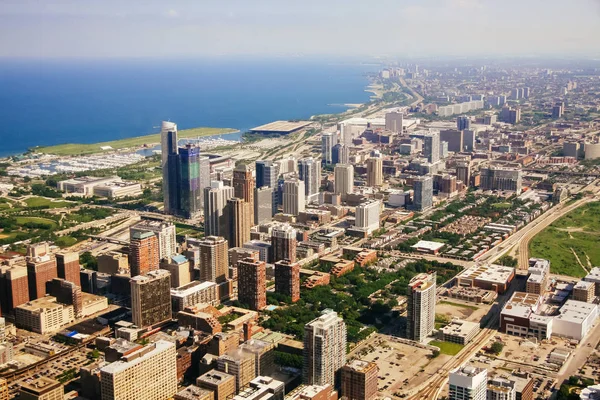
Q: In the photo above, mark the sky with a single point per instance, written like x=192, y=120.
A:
x=377, y=28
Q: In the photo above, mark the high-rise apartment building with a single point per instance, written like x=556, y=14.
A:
x=501, y=389
x=367, y=215
x=463, y=172
x=375, y=171
x=468, y=383
x=244, y=184
x=423, y=192
x=287, y=279
x=431, y=145
x=324, y=350
x=502, y=178
x=283, y=243
x=143, y=252
x=39, y=271
x=149, y=373
x=309, y=171
x=67, y=266
x=67, y=293
x=14, y=288
x=164, y=231
x=393, y=122
x=267, y=173
x=241, y=216
x=151, y=298
x=179, y=268
x=421, y=307
x=264, y=208
x=454, y=138
x=215, y=204
x=213, y=259
x=252, y=283
x=463, y=122
x=328, y=140
x=294, y=198
x=359, y=380
x=340, y=154
x=344, y=179
x=4, y=389
x=169, y=163
x=190, y=191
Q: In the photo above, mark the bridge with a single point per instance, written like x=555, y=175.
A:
x=109, y=239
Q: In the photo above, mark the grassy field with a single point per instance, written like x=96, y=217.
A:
x=447, y=348
x=38, y=220
x=459, y=305
x=43, y=202
x=70, y=149
x=501, y=206
x=580, y=231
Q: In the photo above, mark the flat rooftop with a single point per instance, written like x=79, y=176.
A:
x=281, y=126
x=576, y=311
x=489, y=273
x=138, y=356
x=190, y=288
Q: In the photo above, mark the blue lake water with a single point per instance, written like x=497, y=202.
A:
x=53, y=102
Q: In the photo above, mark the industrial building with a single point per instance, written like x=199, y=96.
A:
x=489, y=277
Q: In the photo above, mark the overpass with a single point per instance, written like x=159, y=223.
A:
x=109, y=239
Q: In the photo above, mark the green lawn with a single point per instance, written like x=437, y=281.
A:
x=450, y=303
x=43, y=202
x=70, y=149
x=502, y=206
x=38, y=220
x=447, y=348
x=579, y=230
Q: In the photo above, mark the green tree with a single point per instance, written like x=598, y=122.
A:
x=497, y=348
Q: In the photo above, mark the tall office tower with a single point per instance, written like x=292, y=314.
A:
x=67, y=293
x=14, y=288
x=293, y=196
x=469, y=139
x=514, y=94
x=324, y=349
x=164, y=231
x=514, y=115
x=215, y=203
x=393, y=122
x=222, y=384
x=67, y=265
x=344, y=179
x=267, y=173
x=367, y=215
x=420, y=309
x=148, y=373
x=309, y=171
x=213, y=259
x=346, y=134
x=169, y=162
x=501, y=389
x=283, y=243
x=375, y=171
x=431, y=146
x=263, y=204
x=328, y=140
x=501, y=178
x=463, y=122
x=203, y=176
x=39, y=271
x=143, y=252
x=423, y=192
x=287, y=279
x=454, y=138
x=244, y=184
x=240, y=217
x=252, y=283
x=151, y=298
x=190, y=193
x=359, y=380
x=240, y=364
x=340, y=154
x=42, y=388
x=463, y=172
x=467, y=383
x=526, y=92
x=557, y=110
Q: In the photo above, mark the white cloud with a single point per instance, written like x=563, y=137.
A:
x=172, y=13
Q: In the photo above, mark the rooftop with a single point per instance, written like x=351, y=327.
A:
x=214, y=377
x=281, y=126
x=427, y=245
x=138, y=357
x=490, y=273
x=192, y=287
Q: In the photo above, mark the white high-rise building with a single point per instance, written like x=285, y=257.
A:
x=149, y=373
x=293, y=196
x=329, y=139
x=164, y=231
x=421, y=306
x=393, y=121
x=468, y=383
x=215, y=202
x=324, y=349
x=501, y=389
x=309, y=171
x=344, y=179
x=367, y=215
x=346, y=135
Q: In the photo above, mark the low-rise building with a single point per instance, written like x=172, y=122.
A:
x=459, y=331
x=575, y=320
x=221, y=383
x=42, y=388
x=489, y=277
x=44, y=315
x=262, y=388
x=193, y=392
x=584, y=291
x=539, y=271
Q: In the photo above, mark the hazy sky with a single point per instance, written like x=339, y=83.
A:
x=397, y=28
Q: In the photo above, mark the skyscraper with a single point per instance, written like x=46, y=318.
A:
x=215, y=202
x=463, y=122
x=420, y=307
x=39, y=271
x=293, y=196
x=164, y=231
x=67, y=265
x=190, y=193
x=169, y=162
x=14, y=288
x=252, y=283
x=204, y=176
x=151, y=298
x=328, y=140
x=344, y=179
x=431, y=146
x=267, y=173
x=244, y=184
x=143, y=252
x=375, y=171
x=393, y=121
x=283, y=243
x=340, y=154
x=309, y=171
x=463, y=172
x=240, y=217
x=367, y=215
x=263, y=204
x=467, y=383
x=213, y=259
x=148, y=373
x=423, y=192
x=359, y=380
x=287, y=279
x=324, y=349
x=502, y=178
x=454, y=138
